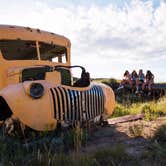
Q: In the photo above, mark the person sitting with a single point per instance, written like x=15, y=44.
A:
x=140, y=80
x=134, y=78
x=149, y=80
x=126, y=79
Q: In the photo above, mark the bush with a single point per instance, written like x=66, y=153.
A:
x=136, y=130
x=120, y=111
x=111, y=156
x=160, y=135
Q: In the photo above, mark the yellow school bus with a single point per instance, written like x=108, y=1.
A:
x=36, y=83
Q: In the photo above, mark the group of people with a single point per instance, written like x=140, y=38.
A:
x=140, y=80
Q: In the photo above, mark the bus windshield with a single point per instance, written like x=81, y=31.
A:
x=27, y=50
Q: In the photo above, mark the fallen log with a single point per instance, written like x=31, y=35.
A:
x=125, y=118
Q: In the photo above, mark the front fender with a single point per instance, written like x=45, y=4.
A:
x=35, y=113
x=109, y=104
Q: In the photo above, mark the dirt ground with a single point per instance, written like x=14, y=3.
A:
x=109, y=136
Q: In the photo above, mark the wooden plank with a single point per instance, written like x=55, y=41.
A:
x=125, y=118
x=154, y=86
x=159, y=86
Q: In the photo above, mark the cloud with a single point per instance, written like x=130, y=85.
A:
x=102, y=36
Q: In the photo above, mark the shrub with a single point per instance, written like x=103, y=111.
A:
x=136, y=130
x=120, y=111
x=160, y=135
x=111, y=156
x=150, y=112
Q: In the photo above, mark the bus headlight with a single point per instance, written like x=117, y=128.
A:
x=36, y=90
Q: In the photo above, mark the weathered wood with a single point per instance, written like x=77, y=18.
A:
x=125, y=118
x=154, y=86
x=159, y=86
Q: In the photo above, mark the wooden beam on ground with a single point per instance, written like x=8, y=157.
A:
x=125, y=118
x=154, y=86
x=159, y=86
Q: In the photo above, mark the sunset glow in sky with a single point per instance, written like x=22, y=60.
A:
x=107, y=36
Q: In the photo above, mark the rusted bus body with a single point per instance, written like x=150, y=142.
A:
x=11, y=68
x=36, y=84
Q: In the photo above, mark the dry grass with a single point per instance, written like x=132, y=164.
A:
x=136, y=130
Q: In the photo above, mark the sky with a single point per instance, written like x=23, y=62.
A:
x=107, y=36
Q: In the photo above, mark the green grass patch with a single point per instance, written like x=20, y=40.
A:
x=157, y=148
x=12, y=152
x=111, y=156
x=152, y=109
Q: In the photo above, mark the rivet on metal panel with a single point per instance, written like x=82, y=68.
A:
x=28, y=29
x=11, y=27
x=38, y=30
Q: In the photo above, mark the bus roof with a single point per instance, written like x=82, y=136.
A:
x=11, y=32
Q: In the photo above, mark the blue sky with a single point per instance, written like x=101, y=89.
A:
x=108, y=36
